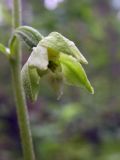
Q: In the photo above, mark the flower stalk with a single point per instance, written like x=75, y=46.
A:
x=22, y=111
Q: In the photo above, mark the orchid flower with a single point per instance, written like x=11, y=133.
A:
x=54, y=56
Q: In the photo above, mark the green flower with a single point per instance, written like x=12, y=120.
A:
x=59, y=59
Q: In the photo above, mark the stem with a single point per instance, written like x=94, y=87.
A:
x=22, y=112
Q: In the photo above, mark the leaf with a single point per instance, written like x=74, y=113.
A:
x=4, y=50
x=59, y=43
x=31, y=80
x=74, y=73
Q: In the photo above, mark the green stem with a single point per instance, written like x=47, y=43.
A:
x=22, y=112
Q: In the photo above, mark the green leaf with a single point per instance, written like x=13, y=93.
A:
x=59, y=43
x=74, y=73
x=4, y=50
x=31, y=82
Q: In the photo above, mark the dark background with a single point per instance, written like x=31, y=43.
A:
x=79, y=126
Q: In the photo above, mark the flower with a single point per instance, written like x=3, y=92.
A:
x=60, y=59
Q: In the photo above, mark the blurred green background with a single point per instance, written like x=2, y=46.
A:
x=79, y=126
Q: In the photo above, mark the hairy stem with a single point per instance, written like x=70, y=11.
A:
x=22, y=112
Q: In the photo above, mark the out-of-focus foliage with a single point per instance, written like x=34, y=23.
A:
x=79, y=126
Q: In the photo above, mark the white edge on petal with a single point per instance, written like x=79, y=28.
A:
x=39, y=58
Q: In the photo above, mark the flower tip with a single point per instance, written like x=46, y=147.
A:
x=83, y=60
x=92, y=90
x=60, y=95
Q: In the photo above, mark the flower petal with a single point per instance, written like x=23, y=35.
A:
x=38, y=58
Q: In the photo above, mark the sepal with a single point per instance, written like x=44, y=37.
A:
x=74, y=73
x=29, y=35
x=35, y=67
x=31, y=82
x=59, y=43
